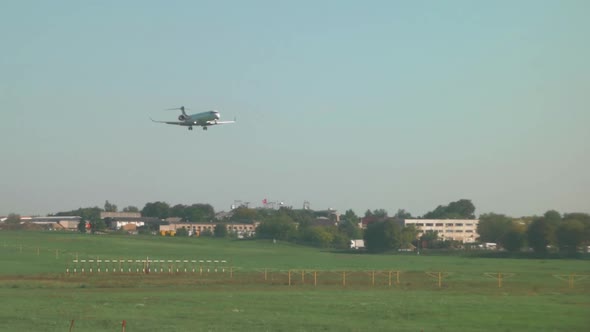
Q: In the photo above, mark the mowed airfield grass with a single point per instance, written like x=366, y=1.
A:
x=37, y=294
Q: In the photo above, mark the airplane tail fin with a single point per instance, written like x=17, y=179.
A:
x=181, y=108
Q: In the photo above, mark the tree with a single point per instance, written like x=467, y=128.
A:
x=375, y=238
x=317, y=236
x=340, y=240
x=130, y=208
x=82, y=226
x=492, y=227
x=158, y=209
x=280, y=227
x=108, y=207
x=584, y=218
x=539, y=234
x=513, y=239
x=350, y=229
x=89, y=213
x=183, y=232
x=199, y=213
x=402, y=214
x=429, y=239
x=13, y=219
x=109, y=222
x=407, y=236
x=244, y=214
x=349, y=225
x=461, y=209
x=178, y=211
x=301, y=217
x=382, y=236
x=380, y=213
x=97, y=225
x=569, y=235
x=206, y=232
x=552, y=216
x=349, y=215
x=438, y=213
x=220, y=230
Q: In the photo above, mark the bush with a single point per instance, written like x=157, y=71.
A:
x=182, y=232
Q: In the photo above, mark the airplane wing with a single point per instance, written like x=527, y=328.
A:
x=212, y=123
x=179, y=123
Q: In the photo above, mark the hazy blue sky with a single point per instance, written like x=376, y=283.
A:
x=345, y=104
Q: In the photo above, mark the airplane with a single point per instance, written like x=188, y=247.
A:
x=203, y=119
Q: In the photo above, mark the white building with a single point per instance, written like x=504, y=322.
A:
x=464, y=230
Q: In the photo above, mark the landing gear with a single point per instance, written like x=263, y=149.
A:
x=190, y=127
x=204, y=127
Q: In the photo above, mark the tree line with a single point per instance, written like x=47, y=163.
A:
x=564, y=233
x=300, y=226
x=551, y=232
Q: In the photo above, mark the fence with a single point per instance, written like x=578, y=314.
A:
x=221, y=273
x=146, y=266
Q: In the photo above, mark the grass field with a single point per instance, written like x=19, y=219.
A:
x=37, y=294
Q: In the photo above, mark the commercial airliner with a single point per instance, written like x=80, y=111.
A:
x=203, y=119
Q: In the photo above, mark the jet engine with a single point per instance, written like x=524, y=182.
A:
x=182, y=117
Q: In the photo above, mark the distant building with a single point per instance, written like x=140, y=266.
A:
x=324, y=221
x=366, y=221
x=330, y=213
x=132, y=228
x=70, y=225
x=464, y=230
x=118, y=223
x=114, y=215
x=51, y=222
x=123, y=220
x=241, y=230
x=55, y=222
x=224, y=215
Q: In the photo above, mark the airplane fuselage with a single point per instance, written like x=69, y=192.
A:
x=200, y=119
x=203, y=119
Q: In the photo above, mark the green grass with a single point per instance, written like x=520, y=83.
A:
x=37, y=294
x=288, y=310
